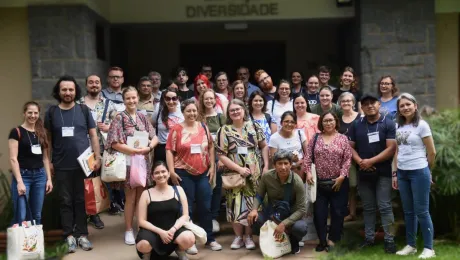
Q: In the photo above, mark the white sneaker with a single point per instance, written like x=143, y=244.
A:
x=407, y=250
x=192, y=250
x=427, y=253
x=249, y=243
x=215, y=226
x=129, y=238
x=301, y=244
x=182, y=255
x=237, y=243
x=214, y=246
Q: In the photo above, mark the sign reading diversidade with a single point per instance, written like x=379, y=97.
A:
x=232, y=8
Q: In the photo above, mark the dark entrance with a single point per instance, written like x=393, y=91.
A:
x=270, y=56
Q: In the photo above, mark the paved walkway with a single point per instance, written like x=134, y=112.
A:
x=108, y=244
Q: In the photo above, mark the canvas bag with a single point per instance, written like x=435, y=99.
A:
x=270, y=246
x=26, y=242
x=138, y=171
x=113, y=167
x=96, y=196
x=311, y=189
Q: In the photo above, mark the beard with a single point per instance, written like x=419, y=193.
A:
x=93, y=94
x=268, y=86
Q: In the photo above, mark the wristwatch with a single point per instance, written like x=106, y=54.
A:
x=394, y=174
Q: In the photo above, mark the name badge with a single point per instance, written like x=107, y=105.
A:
x=242, y=150
x=67, y=131
x=195, y=148
x=373, y=137
x=36, y=149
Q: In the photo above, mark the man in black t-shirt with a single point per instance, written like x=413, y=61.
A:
x=68, y=125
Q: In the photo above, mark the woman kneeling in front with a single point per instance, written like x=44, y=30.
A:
x=160, y=219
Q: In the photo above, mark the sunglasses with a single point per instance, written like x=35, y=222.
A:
x=167, y=99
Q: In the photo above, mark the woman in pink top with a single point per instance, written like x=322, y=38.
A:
x=331, y=154
x=306, y=121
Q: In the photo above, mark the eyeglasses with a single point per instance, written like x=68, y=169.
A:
x=146, y=85
x=167, y=99
x=235, y=110
x=346, y=101
x=386, y=83
x=289, y=122
x=115, y=77
x=262, y=80
x=328, y=121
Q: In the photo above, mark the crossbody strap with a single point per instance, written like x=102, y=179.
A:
x=313, y=148
x=106, y=106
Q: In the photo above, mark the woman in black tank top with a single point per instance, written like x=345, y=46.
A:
x=161, y=220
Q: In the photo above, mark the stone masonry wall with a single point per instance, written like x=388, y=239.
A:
x=63, y=42
x=398, y=39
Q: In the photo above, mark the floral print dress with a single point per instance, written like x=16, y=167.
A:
x=120, y=129
x=240, y=201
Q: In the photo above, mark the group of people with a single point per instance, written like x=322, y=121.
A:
x=259, y=145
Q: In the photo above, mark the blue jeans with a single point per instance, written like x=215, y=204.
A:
x=375, y=194
x=35, y=182
x=198, y=189
x=216, y=195
x=414, y=188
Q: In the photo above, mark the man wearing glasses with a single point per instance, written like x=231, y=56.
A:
x=113, y=90
x=242, y=73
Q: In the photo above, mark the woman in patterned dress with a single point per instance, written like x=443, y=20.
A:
x=124, y=125
x=238, y=142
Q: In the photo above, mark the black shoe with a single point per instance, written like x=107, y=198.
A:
x=295, y=248
x=390, y=247
x=366, y=244
x=320, y=247
x=96, y=221
x=114, y=209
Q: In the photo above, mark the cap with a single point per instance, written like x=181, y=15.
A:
x=369, y=97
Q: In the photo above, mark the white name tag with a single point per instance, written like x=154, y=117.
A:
x=67, y=131
x=242, y=150
x=195, y=148
x=36, y=149
x=373, y=137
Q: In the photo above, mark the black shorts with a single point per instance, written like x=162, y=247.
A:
x=159, y=249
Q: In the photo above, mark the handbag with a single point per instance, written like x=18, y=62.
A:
x=96, y=196
x=25, y=242
x=113, y=167
x=270, y=246
x=201, y=237
x=138, y=171
x=326, y=185
x=233, y=180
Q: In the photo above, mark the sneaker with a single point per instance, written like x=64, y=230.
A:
x=407, y=250
x=84, y=243
x=114, y=210
x=182, y=255
x=390, y=247
x=427, y=253
x=366, y=243
x=96, y=221
x=129, y=238
x=192, y=250
x=249, y=243
x=215, y=226
x=214, y=246
x=121, y=206
x=72, y=244
x=237, y=243
x=301, y=244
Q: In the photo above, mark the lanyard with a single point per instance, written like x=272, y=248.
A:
x=376, y=130
x=132, y=121
x=73, y=116
x=30, y=140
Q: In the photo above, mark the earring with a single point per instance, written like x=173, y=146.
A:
x=353, y=84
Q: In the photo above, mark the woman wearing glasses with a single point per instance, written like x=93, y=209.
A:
x=388, y=93
x=238, y=142
x=167, y=115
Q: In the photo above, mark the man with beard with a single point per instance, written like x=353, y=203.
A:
x=242, y=73
x=68, y=125
x=184, y=92
x=266, y=84
x=102, y=110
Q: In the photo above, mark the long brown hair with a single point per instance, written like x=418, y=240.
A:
x=39, y=127
x=354, y=85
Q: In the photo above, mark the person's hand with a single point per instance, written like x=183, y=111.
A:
x=220, y=166
x=394, y=182
x=366, y=164
x=310, y=180
x=244, y=171
x=175, y=178
x=265, y=170
x=295, y=157
x=51, y=169
x=172, y=231
x=49, y=186
x=252, y=217
x=211, y=173
x=97, y=164
x=103, y=127
x=279, y=230
x=338, y=183
x=21, y=188
x=165, y=237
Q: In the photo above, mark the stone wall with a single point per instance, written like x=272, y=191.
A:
x=398, y=39
x=63, y=42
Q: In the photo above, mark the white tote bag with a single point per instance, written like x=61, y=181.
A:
x=311, y=188
x=113, y=167
x=200, y=235
x=270, y=246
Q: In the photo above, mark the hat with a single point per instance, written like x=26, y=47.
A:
x=369, y=97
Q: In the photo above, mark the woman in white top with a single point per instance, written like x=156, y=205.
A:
x=291, y=139
x=167, y=114
x=201, y=83
x=281, y=103
x=414, y=158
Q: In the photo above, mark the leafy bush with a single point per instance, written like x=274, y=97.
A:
x=5, y=202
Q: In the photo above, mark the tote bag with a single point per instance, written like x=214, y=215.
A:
x=138, y=171
x=270, y=246
x=25, y=242
x=113, y=167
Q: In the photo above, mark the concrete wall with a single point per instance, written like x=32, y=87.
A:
x=14, y=73
x=398, y=37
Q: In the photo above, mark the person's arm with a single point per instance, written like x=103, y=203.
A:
x=300, y=205
x=212, y=154
x=170, y=150
x=272, y=152
x=50, y=151
x=95, y=145
x=46, y=164
x=13, y=151
x=346, y=158
x=153, y=143
x=264, y=149
x=142, y=214
x=273, y=127
x=260, y=193
x=430, y=150
x=386, y=154
x=354, y=153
